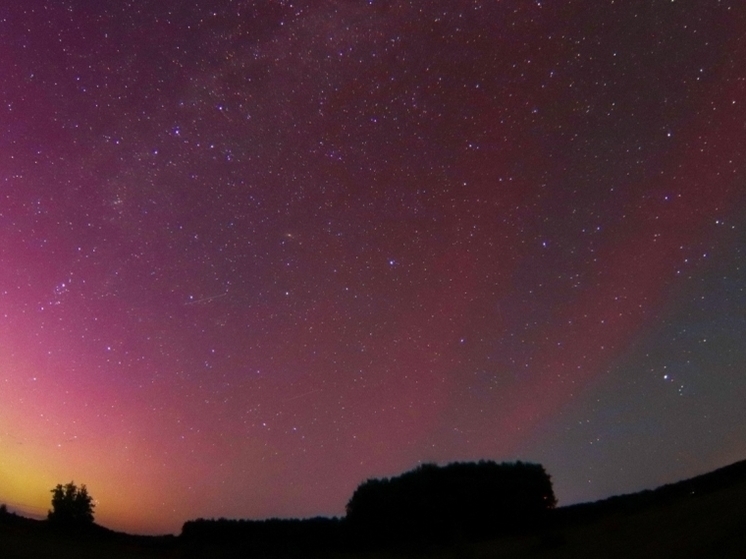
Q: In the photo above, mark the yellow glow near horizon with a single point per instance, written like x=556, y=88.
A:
x=22, y=484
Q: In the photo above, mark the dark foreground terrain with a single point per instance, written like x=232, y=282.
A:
x=701, y=517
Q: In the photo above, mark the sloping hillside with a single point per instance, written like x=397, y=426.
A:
x=701, y=517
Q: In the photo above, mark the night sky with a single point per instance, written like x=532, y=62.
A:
x=253, y=253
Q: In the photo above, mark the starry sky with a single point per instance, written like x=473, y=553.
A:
x=253, y=253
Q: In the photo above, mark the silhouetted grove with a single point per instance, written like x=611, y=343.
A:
x=430, y=504
x=460, y=499
x=71, y=506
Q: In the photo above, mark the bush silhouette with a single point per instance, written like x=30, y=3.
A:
x=461, y=499
x=71, y=506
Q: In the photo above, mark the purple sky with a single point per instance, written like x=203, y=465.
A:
x=254, y=253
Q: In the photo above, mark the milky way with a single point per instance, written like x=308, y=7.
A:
x=253, y=253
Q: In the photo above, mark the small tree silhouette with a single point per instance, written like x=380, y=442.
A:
x=71, y=506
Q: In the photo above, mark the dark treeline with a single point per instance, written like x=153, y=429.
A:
x=437, y=508
x=428, y=505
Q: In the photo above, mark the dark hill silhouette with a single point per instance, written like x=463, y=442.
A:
x=273, y=537
x=8, y=518
x=700, y=517
x=26, y=538
x=710, y=482
x=696, y=518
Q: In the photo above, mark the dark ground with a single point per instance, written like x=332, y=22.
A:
x=698, y=518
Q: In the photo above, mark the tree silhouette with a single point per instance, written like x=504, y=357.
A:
x=434, y=502
x=71, y=506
